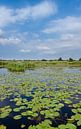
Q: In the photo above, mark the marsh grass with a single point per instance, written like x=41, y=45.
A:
x=21, y=66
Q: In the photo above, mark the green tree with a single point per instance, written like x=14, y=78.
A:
x=60, y=59
x=79, y=59
x=70, y=59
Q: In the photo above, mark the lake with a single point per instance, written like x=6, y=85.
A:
x=45, y=98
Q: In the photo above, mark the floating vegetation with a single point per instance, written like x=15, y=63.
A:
x=16, y=109
x=2, y=127
x=5, y=111
x=22, y=126
x=48, y=98
x=17, y=117
x=67, y=126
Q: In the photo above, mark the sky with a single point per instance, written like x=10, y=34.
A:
x=40, y=29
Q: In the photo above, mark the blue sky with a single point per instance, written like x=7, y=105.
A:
x=37, y=29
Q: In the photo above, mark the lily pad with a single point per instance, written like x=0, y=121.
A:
x=17, y=117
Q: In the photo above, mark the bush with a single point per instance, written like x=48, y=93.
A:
x=70, y=59
x=80, y=59
x=60, y=59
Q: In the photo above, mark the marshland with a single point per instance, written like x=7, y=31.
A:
x=44, y=94
x=40, y=64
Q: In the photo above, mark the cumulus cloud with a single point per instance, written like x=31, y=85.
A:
x=9, y=41
x=68, y=31
x=67, y=24
x=6, y=16
x=41, y=10
x=25, y=50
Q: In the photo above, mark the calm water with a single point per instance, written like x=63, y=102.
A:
x=31, y=90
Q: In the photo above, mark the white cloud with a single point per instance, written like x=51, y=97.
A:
x=67, y=40
x=44, y=48
x=9, y=41
x=22, y=14
x=67, y=24
x=25, y=50
x=41, y=10
x=6, y=16
x=68, y=34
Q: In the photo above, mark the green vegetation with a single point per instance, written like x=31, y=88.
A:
x=48, y=97
x=21, y=66
x=49, y=86
x=2, y=127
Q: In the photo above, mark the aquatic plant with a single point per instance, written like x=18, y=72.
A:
x=2, y=127
x=42, y=97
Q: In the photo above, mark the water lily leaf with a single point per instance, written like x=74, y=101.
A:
x=70, y=126
x=67, y=101
x=2, y=127
x=79, y=123
x=24, y=113
x=62, y=126
x=17, y=117
x=79, y=110
x=22, y=126
x=4, y=115
x=74, y=110
x=16, y=109
x=32, y=127
x=70, y=120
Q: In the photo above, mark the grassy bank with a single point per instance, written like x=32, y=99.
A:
x=21, y=66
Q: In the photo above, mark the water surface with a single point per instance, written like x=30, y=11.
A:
x=30, y=99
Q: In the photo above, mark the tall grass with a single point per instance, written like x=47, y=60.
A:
x=21, y=66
